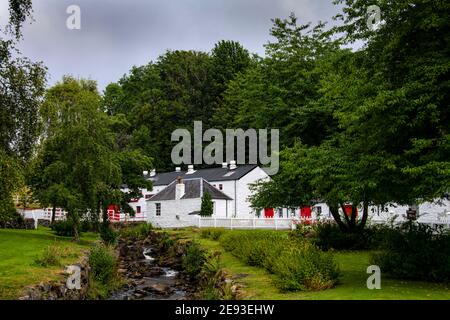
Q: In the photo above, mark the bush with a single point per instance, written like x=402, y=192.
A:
x=63, y=228
x=140, y=231
x=298, y=264
x=103, y=263
x=212, y=233
x=194, y=259
x=330, y=236
x=88, y=226
x=107, y=234
x=51, y=256
x=415, y=251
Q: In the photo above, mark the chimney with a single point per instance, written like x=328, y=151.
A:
x=224, y=165
x=190, y=169
x=179, y=189
x=233, y=165
x=177, y=169
x=153, y=173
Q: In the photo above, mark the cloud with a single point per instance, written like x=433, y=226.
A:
x=117, y=34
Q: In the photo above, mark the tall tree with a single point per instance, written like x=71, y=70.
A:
x=22, y=85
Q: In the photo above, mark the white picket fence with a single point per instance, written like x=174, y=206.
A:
x=248, y=223
x=288, y=223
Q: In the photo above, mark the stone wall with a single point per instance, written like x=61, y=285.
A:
x=57, y=290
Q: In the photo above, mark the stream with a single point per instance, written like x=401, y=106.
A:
x=147, y=280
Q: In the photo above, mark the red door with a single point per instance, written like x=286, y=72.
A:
x=305, y=213
x=268, y=212
x=348, y=210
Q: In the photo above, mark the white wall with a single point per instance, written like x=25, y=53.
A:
x=243, y=191
x=175, y=213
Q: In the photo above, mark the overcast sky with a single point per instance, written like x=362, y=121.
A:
x=117, y=34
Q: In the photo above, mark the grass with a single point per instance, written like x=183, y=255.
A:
x=19, y=250
x=259, y=284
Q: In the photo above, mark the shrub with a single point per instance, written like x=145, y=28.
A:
x=415, y=251
x=298, y=264
x=304, y=267
x=194, y=259
x=330, y=236
x=107, y=234
x=140, y=231
x=63, y=228
x=51, y=256
x=207, y=207
x=88, y=226
x=103, y=263
x=212, y=233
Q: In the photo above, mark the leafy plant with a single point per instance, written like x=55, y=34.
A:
x=103, y=263
x=415, y=251
x=51, y=256
x=298, y=264
x=64, y=228
x=108, y=235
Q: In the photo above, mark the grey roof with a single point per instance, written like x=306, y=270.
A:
x=194, y=188
x=210, y=174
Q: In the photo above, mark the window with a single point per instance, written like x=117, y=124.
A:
x=158, y=209
x=214, y=207
x=138, y=209
x=220, y=186
x=280, y=212
x=318, y=210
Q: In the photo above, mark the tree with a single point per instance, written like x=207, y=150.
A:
x=390, y=103
x=22, y=84
x=207, y=207
x=282, y=90
x=76, y=167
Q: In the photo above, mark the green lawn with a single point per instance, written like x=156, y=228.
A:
x=259, y=284
x=18, y=250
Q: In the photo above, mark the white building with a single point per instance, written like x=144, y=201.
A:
x=233, y=181
x=179, y=204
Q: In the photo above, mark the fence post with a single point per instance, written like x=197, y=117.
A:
x=215, y=222
x=276, y=223
x=254, y=222
x=199, y=222
x=231, y=223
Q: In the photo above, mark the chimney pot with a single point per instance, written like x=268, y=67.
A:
x=233, y=165
x=225, y=165
x=153, y=173
x=178, y=169
x=190, y=169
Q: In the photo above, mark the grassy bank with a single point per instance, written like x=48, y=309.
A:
x=19, y=250
x=352, y=282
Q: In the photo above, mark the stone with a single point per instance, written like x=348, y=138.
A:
x=159, y=288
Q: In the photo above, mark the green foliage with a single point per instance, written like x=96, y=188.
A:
x=103, y=263
x=64, y=228
x=50, y=257
x=330, y=236
x=194, y=260
x=212, y=233
x=415, y=251
x=107, y=234
x=207, y=207
x=139, y=231
x=298, y=265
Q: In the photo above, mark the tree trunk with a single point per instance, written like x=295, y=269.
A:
x=53, y=214
x=335, y=213
x=362, y=224
x=353, y=217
